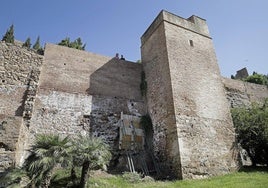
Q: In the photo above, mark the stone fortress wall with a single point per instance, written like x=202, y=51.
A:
x=81, y=92
x=240, y=94
x=71, y=92
x=78, y=92
x=19, y=74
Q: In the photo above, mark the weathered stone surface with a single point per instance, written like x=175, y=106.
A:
x=19, y=66
x=72, y=114
x=87, y=96
x=180, y=64
x=70, y=92
x=240, y=94
x=16, y=64
x=9, y=140
x=159, y=98
x=83, y=72
x=19, y=73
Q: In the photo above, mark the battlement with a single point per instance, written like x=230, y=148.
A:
x=193, y=23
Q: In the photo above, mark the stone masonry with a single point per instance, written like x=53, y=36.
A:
x=70, y=92
x=190, y=111
x=19, y=73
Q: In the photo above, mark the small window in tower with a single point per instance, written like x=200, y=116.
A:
x=191, y=43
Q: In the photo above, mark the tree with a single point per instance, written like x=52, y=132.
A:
x=9, y=36
x=257, y=79
x=16, y=177
x=90, y=153
x=47, y=152
x=37, y=45
x=251, y=125
x=27, y=43
x=77, y=43
x=50, y=151
x=65, y=42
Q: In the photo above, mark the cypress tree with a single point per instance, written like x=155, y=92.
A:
x=36, y=45
x=77, y=43
x=9, y=36
x=65, y=42
x=27, y=43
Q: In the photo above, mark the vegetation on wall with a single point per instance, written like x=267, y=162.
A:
x=27, y=44
x=143, y=84
x=77, y=43
x=251, y=125
x=9, y=36
x=257, y=79
x=38, y=47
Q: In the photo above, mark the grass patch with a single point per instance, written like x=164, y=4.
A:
x=245, y=178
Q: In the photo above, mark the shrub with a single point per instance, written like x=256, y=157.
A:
x=257, y=79
x=132, y=177
x=251, y=125
x=77, y=43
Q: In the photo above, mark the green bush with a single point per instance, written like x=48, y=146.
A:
x=251, y=125
x=77, y=43
x=131, y=177
x=257, y=79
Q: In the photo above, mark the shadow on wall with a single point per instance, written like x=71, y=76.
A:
x=116, y=78
x=114, y=88
x=20, y=109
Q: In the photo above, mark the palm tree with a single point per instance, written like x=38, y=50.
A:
x=47, y=152
x=90, y=153
x=15, y=177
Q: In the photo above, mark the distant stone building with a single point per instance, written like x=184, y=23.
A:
x=70, y=92
x=240, y=74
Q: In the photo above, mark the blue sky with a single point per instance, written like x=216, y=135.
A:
x=239, y=28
